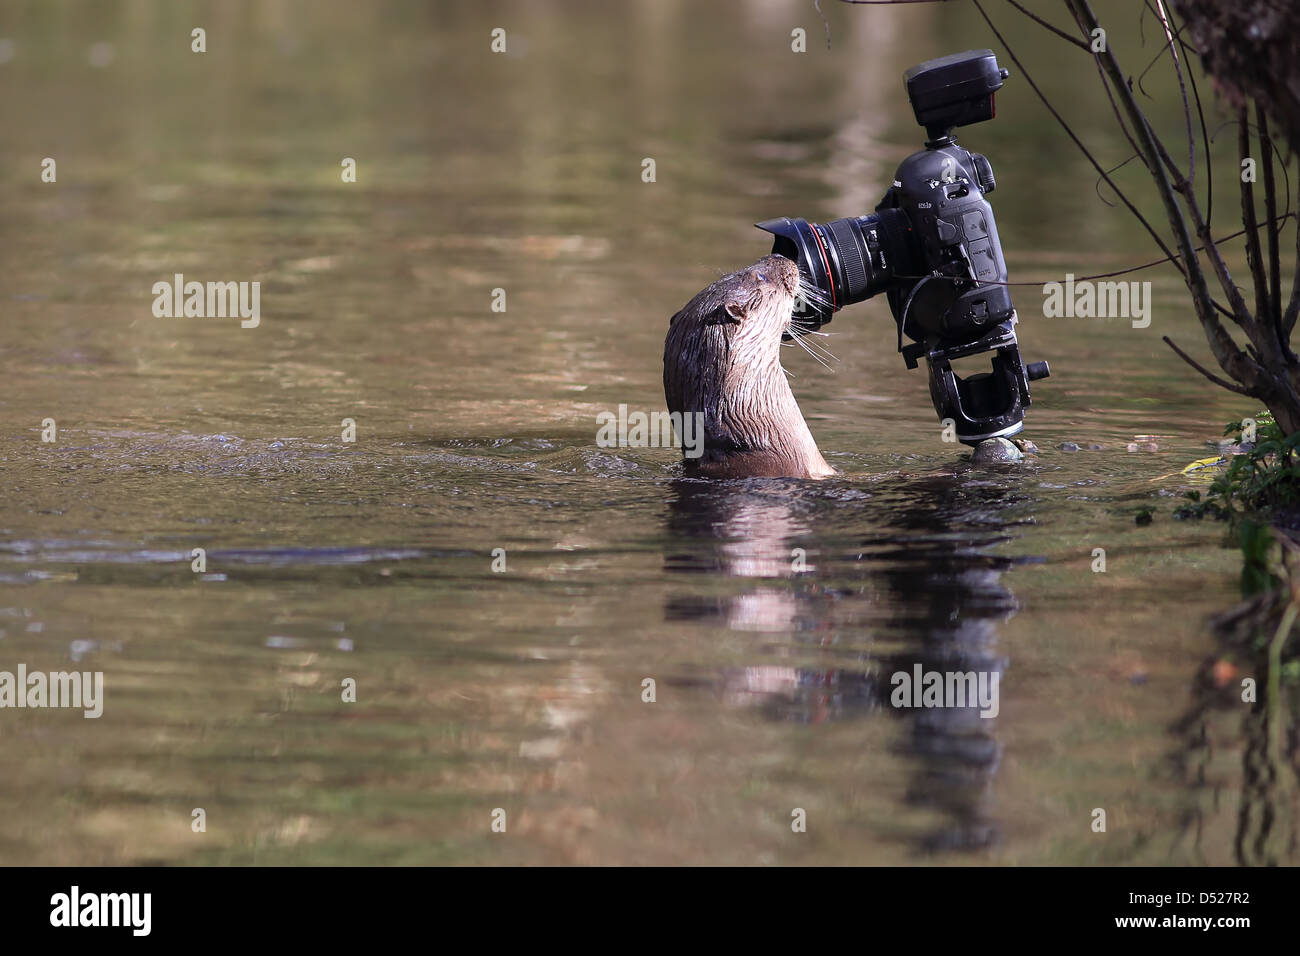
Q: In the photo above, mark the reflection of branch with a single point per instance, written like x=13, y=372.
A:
x=1275, y=682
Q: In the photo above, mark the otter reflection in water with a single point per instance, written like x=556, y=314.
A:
x=1238, y=749
x=923, y=584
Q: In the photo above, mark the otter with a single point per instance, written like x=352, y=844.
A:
x=722, y=357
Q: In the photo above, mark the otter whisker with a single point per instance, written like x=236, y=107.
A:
x=825, y=353
x=812, y=343
x=817, y=358
x=804, y=337
x=797, y=335
x=810, y=293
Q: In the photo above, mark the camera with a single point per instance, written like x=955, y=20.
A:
x=932, y=247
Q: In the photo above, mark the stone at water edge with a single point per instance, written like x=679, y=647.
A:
x=995, y=450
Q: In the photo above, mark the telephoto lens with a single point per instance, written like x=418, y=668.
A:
x=932, y=247
x=842, y=261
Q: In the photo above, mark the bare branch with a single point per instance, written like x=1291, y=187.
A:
x=1182, y=89
x=1293, y=307
x=1059, y=32
x=1114, y=108
x=1253, y=256
x=1221, y=382
x=1241, y=314
x=1270, y=211
x=1205, y=136
x=1159, y=240
x=1230, y=358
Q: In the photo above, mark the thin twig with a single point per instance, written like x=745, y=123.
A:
x=1205, y=137
x=1226, y=351
x=1241, y=314
x=1253, y=258
x=1059, y=32
x=1182, y=89
x=1270, y=211
x=1156, y=59
x=1096, y=186
x=1293, y=307
x=1221, y=382
x=1118, y=272
x=1159, y=241
x=1119, y=118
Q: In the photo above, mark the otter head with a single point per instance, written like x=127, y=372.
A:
x=757, y=304
x=722, y=358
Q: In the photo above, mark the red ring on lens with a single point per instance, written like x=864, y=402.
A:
x=830, y=279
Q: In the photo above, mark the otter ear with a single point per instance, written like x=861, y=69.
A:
x=736, y=312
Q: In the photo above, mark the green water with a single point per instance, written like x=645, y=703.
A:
x=373, y=560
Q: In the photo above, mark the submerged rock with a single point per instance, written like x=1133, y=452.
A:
x=995, y=450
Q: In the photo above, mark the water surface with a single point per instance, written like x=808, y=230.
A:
x=770, y=614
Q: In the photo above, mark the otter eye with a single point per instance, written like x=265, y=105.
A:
x=762, y=277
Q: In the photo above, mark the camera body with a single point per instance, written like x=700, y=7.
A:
x=932, y=247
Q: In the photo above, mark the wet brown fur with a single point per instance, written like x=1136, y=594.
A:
x=722, y=357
